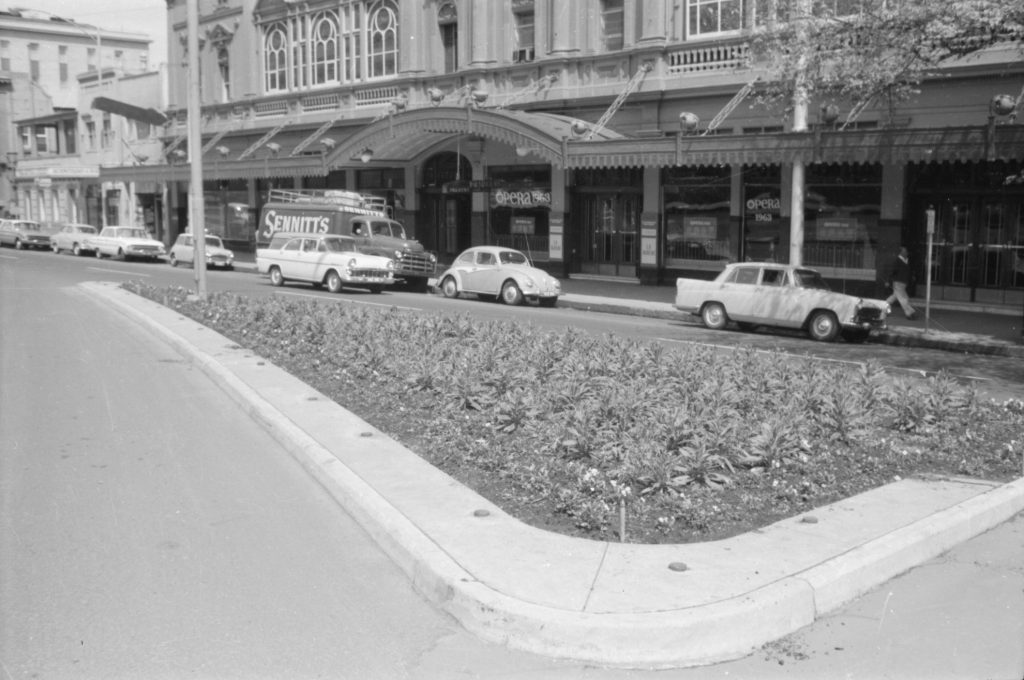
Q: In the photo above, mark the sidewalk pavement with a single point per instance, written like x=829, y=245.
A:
x=642, y=606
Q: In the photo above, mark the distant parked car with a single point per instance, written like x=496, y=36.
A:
x=493, y=272
x=71, y=236
x=23, y=234
x=780, y=295
x=323, y=259
x=126, y=243
x=183, y=252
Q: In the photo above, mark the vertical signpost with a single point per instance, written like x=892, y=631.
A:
x=930, y=224
x=197, y=216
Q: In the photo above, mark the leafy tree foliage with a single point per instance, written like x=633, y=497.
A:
x=864, y=51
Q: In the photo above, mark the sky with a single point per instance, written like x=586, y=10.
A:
x=148, y=17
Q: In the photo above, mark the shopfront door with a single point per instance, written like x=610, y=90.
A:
x=610, y=234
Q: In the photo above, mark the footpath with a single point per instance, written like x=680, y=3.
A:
x=614, y=604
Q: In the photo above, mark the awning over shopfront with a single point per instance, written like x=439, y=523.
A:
x=130, y=111
x=407, y=136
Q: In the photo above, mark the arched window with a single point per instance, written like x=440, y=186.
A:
x=325, y=48
x=448, y=23
x=383, y=30
x=224, y=66
x=275, y=58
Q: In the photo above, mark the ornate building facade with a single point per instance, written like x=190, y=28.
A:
x=604, y=137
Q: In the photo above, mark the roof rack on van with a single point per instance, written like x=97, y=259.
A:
x=350, y=199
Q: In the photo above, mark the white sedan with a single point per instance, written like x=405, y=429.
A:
x=71, y=237
x=493, y=272
x=217, y=256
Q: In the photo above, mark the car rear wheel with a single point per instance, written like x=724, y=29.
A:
x=714, y=316
x=333, y=282
x=99, y=255
x=449, y=288
x=173, y=260
x=276, y=277
x=823, y=326
x=55, y=247
x=76, y=250
x=510, y=293
x=18, y=245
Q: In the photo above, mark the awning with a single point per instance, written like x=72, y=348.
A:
x=250, y=168
x=151, y=116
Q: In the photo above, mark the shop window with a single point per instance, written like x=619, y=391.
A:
x=612, y=24
x=842, y=206
x=447, y=22
x=697, y=216
x=713, y=17
x=522, y=14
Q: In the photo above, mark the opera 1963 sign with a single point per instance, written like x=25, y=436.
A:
x=521, y=198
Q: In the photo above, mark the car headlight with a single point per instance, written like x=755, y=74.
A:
x=351, y=263
x=528, y=282
x=391, y=265
x=398, y=254
x=433, y=258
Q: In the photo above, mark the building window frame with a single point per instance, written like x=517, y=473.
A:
x=275, y=58
x=448, y=26
x=525, y=36
x=712, y=18
x=613, y=27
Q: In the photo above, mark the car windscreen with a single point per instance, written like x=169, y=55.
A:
x=512, y=257
x=808, y=278
x=393, y=229
x=131, y=233
x=214, y=241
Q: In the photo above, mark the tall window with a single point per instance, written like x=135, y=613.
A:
x=93, y=61
x=224, y=68
x=107, y=135
x=5, y=57
x=275, y=59
x=355, y=41
x=90, y=135
x=612, y=24
x=325, y=48
x=448, y=23
x=383, y=41
x=62, y=52
x=711, y=17
x=524, y=35
x=33, y=62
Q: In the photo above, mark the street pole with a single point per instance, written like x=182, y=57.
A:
x=197, y=218
x=799, y=174
x=930, y=225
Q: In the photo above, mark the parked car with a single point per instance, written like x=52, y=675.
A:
x=493, y=272
x=71, y=236
x=323, y=259
x=784, y=296
x=217, y=256
x=23, y=234
x=125, y=242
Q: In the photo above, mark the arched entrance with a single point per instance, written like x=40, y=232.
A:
x=445, y=216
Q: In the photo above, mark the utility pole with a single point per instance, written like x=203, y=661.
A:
x=197, y=212
x=799, y=176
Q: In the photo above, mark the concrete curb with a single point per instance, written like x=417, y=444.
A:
x=726, y=628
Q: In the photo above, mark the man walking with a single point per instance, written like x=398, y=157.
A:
x=899, y=279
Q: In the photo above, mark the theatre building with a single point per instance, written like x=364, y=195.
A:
x=612, y=138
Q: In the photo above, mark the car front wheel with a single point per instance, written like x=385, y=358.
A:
x=55, y=248
x=99, y=255
x=714, y=316
x=173, y=260
x=823, y=326
x=76, y=250
x=333, y=282
x=510, y=293
x=18, y=245
x=276, y=278
x=449, y=288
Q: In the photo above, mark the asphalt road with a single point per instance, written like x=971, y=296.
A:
x=142, y=538
x=996, y=377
